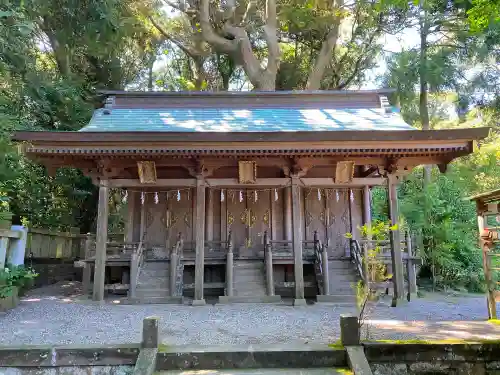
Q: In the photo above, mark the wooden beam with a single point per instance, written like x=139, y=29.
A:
x=161, y=183
x=395, y=239
x=297, y=242
x=369, y=172
x=101, y=241
x=356, y=182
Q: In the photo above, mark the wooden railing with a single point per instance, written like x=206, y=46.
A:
x=364, y=265
x=358, y=259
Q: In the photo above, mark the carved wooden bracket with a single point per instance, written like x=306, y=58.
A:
x=300, y=167
x=200, y=169
x=390, y=167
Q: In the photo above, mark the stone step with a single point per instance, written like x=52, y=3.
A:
x=148, y=265
x=149, y=293
x=263, y=371
x=154, y=273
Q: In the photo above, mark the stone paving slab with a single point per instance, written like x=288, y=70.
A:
x=42, y=318
x=319, y=371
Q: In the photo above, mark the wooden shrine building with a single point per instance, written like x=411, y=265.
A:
x=244, y=196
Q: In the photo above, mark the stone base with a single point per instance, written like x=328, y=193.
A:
x=299, y=302
x=9, y=302
x=198, y=302
x=252, y=299
x=154, y=300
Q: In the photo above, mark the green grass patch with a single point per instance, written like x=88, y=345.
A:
x=336, y=345
x=163, y=348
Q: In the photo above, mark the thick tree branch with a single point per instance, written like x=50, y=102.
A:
x=218, y=42
x=188, y=51
x=325, y=54
x=271, y=36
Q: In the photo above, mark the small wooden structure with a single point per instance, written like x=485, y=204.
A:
x=488, y=221
x=245, y=195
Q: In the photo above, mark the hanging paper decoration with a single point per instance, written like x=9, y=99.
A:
x=275, y=195
x=222, y=195
x=143, y=197
x=189, y=196
x=178, y=195
x=241, y=196
x=337, y=195
x=352, y=196
x=319, y=195
x=125, y=197
x=157, y=200
x=255, y=195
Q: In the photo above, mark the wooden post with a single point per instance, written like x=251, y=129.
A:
x=367, y=210
x=410, y=266
x=287, y=213
x=174, y=260
x=209, y=230
x=490, y=292
x=395, y=238
x=229, y=271
x=199, y=242
x=131, y=207
x=269, y=265
x=134, y=269
x=326, y=275
x=101, y=241
x=297, y=243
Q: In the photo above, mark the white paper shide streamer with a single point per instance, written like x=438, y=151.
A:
x=255, y=196
x=222, y=195
x=157, y=200
x=352, y=196
x=178, y=195
x=143, y=197
x=241, y=196
x=337, y=195
x=125, y=197
x=275, y=195
x=319, y=195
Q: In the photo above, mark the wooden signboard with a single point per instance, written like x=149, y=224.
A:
x=147, y=172
x=247, y=172
x=344, y=172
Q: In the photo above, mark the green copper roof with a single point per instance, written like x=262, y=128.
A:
x=244, y=120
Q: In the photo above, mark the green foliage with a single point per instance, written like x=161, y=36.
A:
x=447, y=224
x=12, y=277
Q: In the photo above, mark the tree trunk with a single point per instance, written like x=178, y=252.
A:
x=424, y=85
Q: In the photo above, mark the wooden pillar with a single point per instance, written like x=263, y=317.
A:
x=395, y=238
x=411, y=271
x=367, y=210
x=209, y=227
x=131, y=207
x=297, y=242
x=199, y=242
x=229, y=272
x=287, y=213
x=490, y=290
x=101, y=241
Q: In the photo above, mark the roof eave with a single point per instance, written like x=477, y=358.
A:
x=55, y=138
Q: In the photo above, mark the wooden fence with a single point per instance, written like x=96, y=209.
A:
x=46, y=244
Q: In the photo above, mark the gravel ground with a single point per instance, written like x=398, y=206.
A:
x=57, y=316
